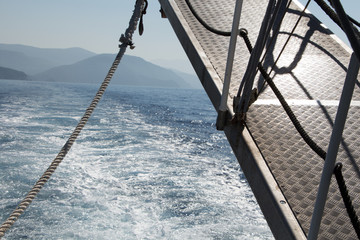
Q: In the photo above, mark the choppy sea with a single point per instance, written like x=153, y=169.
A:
x=149, y=164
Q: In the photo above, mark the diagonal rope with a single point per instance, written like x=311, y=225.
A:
x=346, y=198
x=126, y=41
x=316, y=148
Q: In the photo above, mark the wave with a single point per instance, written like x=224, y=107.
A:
x=143, y=167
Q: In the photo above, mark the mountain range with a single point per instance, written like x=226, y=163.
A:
x=79, y=65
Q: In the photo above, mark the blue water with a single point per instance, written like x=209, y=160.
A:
x=148, y=165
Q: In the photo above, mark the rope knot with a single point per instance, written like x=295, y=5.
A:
x=125, y=41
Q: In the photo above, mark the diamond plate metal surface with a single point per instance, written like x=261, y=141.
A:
x=298, y=169
x=312, y=67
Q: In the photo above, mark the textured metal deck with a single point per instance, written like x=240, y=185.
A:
x=282, y=170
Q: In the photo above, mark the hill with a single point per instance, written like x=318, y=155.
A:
x=131, y=71
x=80, y=65
x=8, y=73
x=32, y=60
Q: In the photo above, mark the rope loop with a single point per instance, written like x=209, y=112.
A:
x=243, y=32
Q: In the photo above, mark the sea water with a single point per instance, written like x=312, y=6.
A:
x=149, y=164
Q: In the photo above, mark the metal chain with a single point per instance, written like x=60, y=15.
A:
x=126, y=40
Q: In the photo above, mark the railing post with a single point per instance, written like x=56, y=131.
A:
x=333, y=148
x=220, y=122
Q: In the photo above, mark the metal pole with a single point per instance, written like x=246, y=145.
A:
x=220, y=123
x=333, y=148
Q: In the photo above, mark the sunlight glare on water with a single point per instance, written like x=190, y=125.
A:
x=148, y=165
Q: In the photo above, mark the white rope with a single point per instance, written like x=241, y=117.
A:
x=126, y=40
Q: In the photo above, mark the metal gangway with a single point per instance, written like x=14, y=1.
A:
x=282, y=83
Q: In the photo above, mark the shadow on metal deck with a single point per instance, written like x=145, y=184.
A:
x=282, y=170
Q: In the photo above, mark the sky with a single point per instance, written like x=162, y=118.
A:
x=352, y=8
x=96, y=26
x=93, y=25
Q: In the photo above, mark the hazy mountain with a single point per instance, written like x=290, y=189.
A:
x=131, y=71
x=181, y=65
x=8, y=73
x=22, y=62
x=182, y=68
x=189, y=78
x=32, y=60
x=79, y=65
